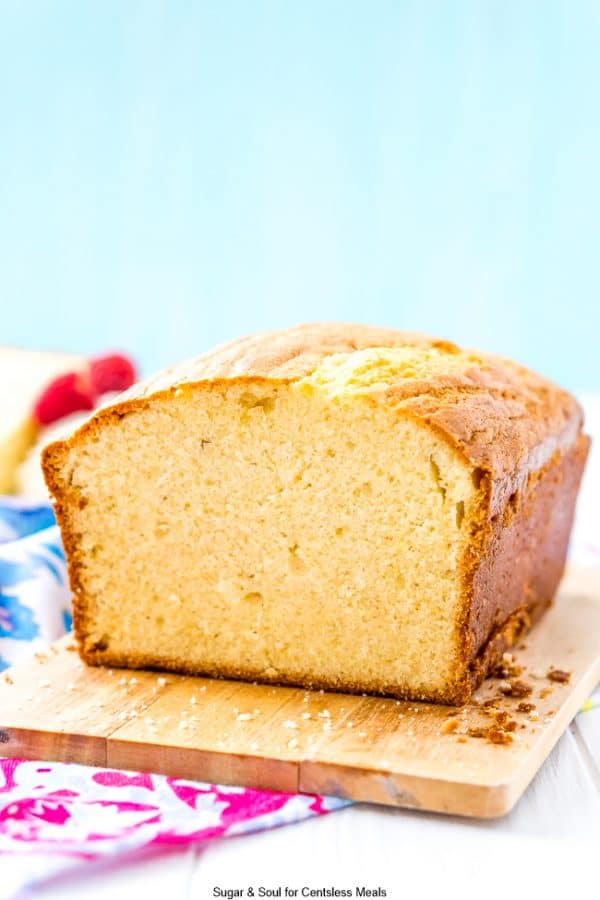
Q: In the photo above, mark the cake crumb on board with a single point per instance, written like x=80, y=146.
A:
x=558, y=675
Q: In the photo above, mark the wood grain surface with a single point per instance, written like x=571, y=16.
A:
x=385, y=751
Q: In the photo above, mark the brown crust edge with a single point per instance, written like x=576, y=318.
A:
x=523, y=556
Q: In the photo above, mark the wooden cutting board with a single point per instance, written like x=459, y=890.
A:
x=414, y=755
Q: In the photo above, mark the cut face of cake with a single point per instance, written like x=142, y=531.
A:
x=331, y=506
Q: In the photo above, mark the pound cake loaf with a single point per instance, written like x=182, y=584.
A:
x=332, y=506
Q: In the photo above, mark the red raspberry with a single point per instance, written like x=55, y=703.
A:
x=64, y=395
x=112, y=372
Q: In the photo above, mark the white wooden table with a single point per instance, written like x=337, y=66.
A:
x=548, y=846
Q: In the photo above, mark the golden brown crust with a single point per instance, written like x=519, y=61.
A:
x=525, y=549
x=286, y=355
x=503, y=417
x=520, y=433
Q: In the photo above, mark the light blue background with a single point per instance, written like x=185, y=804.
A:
x=174, y=173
